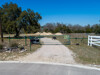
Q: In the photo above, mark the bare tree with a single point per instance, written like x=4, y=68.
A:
x=49, y=27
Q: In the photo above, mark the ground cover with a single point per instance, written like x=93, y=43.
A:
x=83, y=53
x=11, y=55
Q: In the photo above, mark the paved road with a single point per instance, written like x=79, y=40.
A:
x=43, y=69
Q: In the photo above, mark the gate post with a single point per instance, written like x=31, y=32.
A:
x=9, y=38
x=39, y=39
x=69, y=39
x=30, y=44
x=91, y=41
x=25, y=40
x=88, y=40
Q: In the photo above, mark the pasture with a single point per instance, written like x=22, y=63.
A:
x=12, y=55
x=83, y=53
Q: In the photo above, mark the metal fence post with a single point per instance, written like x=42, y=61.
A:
x=69, y=39
x=39, y=39
x=9, y=38
x=25, y=40
x=30, y=45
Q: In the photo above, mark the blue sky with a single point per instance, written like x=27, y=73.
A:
x=64, y=11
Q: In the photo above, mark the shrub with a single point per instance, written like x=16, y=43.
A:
x=1, y=46
x=21, y=47
x=14, y=45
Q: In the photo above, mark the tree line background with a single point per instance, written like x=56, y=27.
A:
x=16, y=21
x=69, y=28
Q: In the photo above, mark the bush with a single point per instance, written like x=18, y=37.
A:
x=1, y=46
x=14, y=45
x=21, y=47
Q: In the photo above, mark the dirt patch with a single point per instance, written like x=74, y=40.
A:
x=58, y=34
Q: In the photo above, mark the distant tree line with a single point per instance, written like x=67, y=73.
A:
x=69, y=28
x=14, y=20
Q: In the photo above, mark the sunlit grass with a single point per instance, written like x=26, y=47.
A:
x=83, y=53
x=13, y=55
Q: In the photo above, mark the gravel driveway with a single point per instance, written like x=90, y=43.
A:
x=50, y=52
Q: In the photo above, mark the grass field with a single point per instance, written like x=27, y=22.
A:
x=12, y=35
x=83, y=53
x=13, y=55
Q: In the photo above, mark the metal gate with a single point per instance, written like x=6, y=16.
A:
x=54, y=39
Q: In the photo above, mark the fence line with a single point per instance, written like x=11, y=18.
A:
x=93, y=40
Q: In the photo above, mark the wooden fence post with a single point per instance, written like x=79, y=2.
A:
x=88, y=40
x=91, y=41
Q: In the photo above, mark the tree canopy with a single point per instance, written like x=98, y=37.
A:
x=14, y=19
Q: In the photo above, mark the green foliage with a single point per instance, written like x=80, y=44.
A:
x=63, y=28
x=88, y=29
x=21, y=47
x=54, y=28
x=14, y=19
x=1, y=46
x=97, y=29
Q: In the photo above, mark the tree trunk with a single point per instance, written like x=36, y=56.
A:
x=17, y=32
x=1, y=32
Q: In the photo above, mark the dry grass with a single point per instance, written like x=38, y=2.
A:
x=61, y=38
x=32, y=34
x=84, y=53
x=12, y=55
x=12, y=35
